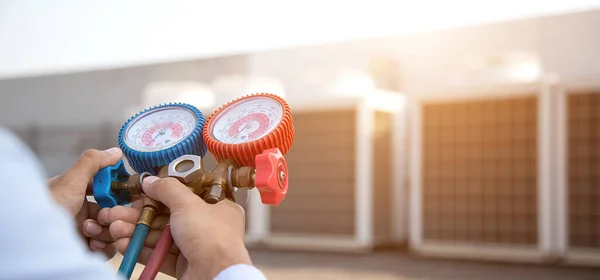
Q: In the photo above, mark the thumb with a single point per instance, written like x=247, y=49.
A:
x=88, y=164
x=170, y=192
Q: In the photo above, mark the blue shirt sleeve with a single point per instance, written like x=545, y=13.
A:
x=39, y=238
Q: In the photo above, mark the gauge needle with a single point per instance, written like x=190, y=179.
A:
x=247, y=125
x=162, y=131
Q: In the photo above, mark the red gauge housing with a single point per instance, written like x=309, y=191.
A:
x=244, y=154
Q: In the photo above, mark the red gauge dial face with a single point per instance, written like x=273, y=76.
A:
x=247, y=120
x=160, y=129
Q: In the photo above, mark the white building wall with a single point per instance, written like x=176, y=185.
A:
x=92, y=98
x=567, y=45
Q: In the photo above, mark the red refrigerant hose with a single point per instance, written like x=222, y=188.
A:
x=158, y=255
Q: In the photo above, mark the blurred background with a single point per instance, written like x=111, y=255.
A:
x=429, y=134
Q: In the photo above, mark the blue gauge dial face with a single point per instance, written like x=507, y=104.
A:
x=160, y=128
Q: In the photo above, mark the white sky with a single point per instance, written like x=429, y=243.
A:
x=40, y=36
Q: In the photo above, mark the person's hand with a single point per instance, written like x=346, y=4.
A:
x=208, y=237
x=69, y=191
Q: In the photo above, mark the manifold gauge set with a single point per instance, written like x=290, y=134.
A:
x=248, y=137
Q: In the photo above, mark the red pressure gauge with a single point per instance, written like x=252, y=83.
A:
x=256, y=131
x=247, y=126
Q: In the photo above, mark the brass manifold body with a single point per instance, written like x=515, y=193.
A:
x=213, y=186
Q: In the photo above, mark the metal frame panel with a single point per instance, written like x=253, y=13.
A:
x=363, y=239
x=471, y=250
x=363, y=224
x=399, y=198
x=572, y=256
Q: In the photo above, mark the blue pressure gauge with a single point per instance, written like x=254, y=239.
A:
x=158, y=135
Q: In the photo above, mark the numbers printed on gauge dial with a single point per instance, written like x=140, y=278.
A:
x=160, y=129
x=247, y=120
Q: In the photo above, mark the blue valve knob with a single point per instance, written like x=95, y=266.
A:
x=103, y=180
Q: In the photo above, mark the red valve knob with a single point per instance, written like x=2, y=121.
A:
x=271, y=176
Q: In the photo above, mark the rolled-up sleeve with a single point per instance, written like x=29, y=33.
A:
x=241, y=271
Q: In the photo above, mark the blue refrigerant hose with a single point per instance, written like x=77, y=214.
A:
x=133, y=250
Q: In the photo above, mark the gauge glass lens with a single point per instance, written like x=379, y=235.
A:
x=160, y=128
x=247, y=120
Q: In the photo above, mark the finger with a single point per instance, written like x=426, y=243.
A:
x=90, y=162
x=168, y=266
x=93, y=209
x=151, y=239
x=231, y=205
x=125, y=231
x=138, y=202
x=121, y=229
x=107, y=216
x=109, y=250
x=122, y=244
x=170, y=192
x=93, y=230
x=89, y=191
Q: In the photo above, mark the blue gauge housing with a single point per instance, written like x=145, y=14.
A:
x=151, y=161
